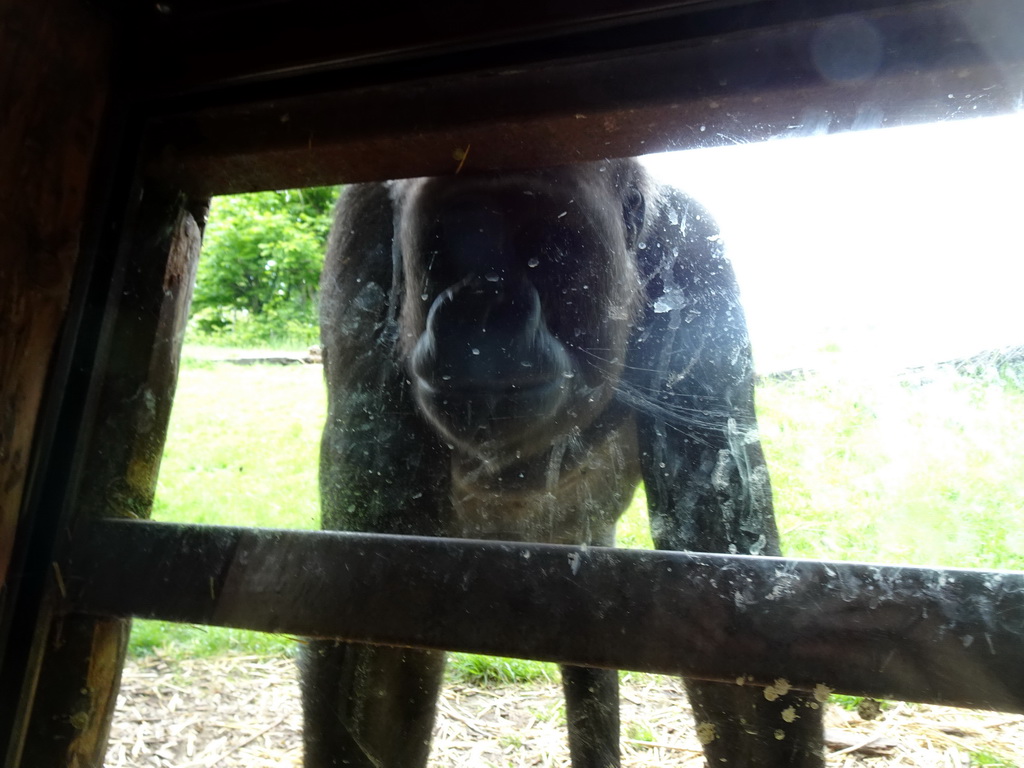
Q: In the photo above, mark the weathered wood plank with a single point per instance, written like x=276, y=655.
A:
x=204, y=45
x=80, y=657
x=940, y=636
x=907, y=63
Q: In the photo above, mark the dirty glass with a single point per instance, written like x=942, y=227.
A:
x=854, y=394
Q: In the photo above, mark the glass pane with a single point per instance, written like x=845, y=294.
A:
x=878, y=273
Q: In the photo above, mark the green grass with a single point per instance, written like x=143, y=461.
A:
x=639, y=731
x=242, y=446
x=877, y=470
x=910, y=473
x=182, y=641
x=986, y=760
x=495, y=670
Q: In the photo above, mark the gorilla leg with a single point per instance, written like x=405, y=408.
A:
x=381, y=470
x=705, y=474
x=739, y=726
x=371, y=707
x=592, y=715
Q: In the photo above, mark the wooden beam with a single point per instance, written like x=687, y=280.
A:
x=197, y=51
x=201, y=45
x=77, y=659
x=941, y=636
x=910, y=63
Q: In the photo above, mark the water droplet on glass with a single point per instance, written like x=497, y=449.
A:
x=642, y=245
x=475, y=351
x=492, y=277
x=424, y=296
x=533, y=262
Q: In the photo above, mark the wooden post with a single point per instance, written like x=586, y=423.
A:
x=80, y=663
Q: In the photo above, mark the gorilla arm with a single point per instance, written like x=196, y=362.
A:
x=691, y=380
x=381, y=470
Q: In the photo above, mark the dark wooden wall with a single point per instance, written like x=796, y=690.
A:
x=54, y=76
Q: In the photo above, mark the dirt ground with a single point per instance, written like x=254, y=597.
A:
x=244, y=711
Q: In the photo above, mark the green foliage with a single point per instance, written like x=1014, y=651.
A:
x=493, y=670
x=260, y=267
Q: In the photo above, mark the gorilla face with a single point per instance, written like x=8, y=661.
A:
x=519, y=298
x=570, y=332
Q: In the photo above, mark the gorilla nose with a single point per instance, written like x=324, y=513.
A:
x=486, y=334
x=489, y=305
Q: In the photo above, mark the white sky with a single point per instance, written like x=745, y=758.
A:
x=899, y=246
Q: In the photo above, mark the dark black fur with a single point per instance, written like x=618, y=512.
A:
x=507, y=356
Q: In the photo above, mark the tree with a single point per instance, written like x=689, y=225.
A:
x=260, y=265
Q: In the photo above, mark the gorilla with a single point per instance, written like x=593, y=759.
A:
x=507, y=356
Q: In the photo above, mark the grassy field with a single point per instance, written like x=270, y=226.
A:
x=925, y=470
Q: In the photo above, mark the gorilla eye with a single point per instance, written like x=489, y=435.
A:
x=633, y=214
x=634, y=200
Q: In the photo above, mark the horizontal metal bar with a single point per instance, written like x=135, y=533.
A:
x=941, y=636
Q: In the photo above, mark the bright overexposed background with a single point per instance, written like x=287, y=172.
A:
x=880, y=249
